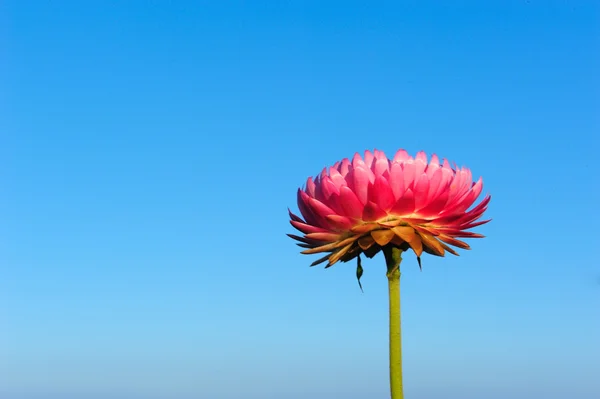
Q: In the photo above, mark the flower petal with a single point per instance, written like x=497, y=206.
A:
x=307, y=228
x=328, y=188
x=366, y=242
x=310, y=187
x=407, y=233
x=372, y=212
x=421, y=191
x=331, y=246
x=350, y=203
x=294, y=217
x=337, y=255
x=344, y=167
x=381, y=193
x=364, y=228
x=453, y=241
x=408, y=174
x=328, y=237
x=305, y=209
x=401, y=156
x=382, y=237
x=405, y=205
x=420, y=163
x=381, y=163
x=396, y=180
x=359, y=183
x=368, y=158
x=319, y=208
x=432, y=243
x=337, y=178
x=339, y=223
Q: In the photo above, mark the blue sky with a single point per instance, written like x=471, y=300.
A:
x=149, y=151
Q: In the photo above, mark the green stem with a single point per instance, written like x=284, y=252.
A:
x=393, y=257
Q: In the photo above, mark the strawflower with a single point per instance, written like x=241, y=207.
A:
x=373, y=204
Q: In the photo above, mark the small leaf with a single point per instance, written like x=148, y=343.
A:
x=359, y=272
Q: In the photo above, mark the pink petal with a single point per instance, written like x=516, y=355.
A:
x=474, y=213
x=476, y=190
x=319, y=208
x=422, y=157
x=459, y=204
x=483, y=204
x=368, y=158
x=350, y=203
x=447, y=176
x=436, y=205
x=408, y=174
x=340, y=223
x=434, y=161
x=457, y=219
x=335, y=203
x=432, y=169
x=337, y=178
x=401, y=156
x=435, y=184
x=448, y=220
x=453, y=190
x=420, y=163
x=294, y=217
x=357, y=161
x=359, y=183
x=323, y=173
x=310, y=187
x=460, y=233
x=381, y=164
x=344, y=167
x=405, y=205
x=463, y=184
x=305, y=210
x=396, y=180
x=307, y=228
x=381, y=194
x=373, y=212
x=475, y=224
x=421, y=191
x=328, y=188
x=446, y=165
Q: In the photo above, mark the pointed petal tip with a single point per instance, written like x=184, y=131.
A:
x=319, y=261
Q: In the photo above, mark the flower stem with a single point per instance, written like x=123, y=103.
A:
x=393, y=257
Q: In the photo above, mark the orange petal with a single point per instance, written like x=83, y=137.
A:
x=397, y=241
x=331, y=246
x=407, y=233
x=432, y=243
x=336, y=256
x=364, y=228
x=416, y=245
x=454, y=241
x=391, y=223
x=427, y=230
x=449, y=249
x=366, y=242
x=382, y=237
x=326, y=237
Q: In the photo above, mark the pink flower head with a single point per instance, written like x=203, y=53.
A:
x=362, y=205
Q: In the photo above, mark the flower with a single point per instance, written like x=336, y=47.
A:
x=363, y=205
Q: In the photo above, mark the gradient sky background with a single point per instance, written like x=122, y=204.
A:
x=149, y=150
